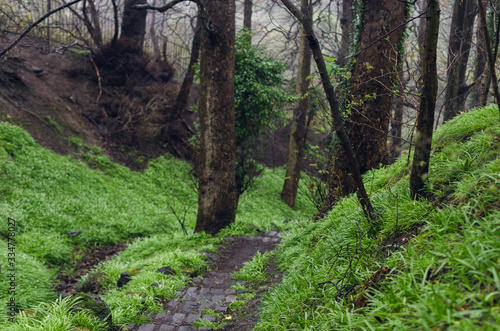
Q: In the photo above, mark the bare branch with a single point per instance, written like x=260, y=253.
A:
x=162, y=8
x=29, y=28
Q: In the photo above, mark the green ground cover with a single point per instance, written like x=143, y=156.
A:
x=429, y=264
x=48, y=195
x=343, y=275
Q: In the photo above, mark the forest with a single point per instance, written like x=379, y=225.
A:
x=249, y=165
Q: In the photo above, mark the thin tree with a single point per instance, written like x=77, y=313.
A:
x=181, y=100
x=338, y=121
x=247, y=14
x=298, y=127
x=489, y=52
x=346, y=27
x=490, y=27
x=461, y=28
x=423, y=143
x=480, y=93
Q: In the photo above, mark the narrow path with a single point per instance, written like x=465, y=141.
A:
x=214, y=291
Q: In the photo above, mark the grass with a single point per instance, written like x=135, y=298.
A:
x=49, y=195
x=446, y=277
x=441, y=273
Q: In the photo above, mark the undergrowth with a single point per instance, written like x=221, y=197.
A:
x=49, y=195
x=433, y=264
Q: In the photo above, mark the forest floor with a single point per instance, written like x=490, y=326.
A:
x=209, y=298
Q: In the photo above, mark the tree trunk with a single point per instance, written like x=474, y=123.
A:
x=217, y=187
x=491, y=27
x=338, y=120
x=462, y=25
x=369, y=112
x=298, y=131
x=154, y=37
x=397, y=124
x=489, y=52
x=480, y=78
x=423, y=143
x=133, y=26
x=247, y=14
x=92, y=23
x=182, y=97
x=346, y=26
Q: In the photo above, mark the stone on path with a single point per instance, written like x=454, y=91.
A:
x=212, y=292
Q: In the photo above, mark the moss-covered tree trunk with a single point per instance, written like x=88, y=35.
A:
x=461, y=28
x=298, y=129
x=338, y=121
x=423, y=142
x=217, y=198
x=374, y=75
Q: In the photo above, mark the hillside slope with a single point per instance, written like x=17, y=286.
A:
x=428, y=265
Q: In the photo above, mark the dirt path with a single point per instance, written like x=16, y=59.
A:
x=214, y=291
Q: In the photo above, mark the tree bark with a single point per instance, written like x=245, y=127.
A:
x=489, y=52
x=346, y=26
x=298, y=130
x=369, y=113
x=217, y=198
x=338, y=120
x=462, y=25
x=423, y=143
x=486, y=91
x=480, y=69
x=247, y=14
x=133, y=26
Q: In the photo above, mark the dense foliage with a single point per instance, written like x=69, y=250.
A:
x=259, y=97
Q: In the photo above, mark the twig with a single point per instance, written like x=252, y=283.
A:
x=98, y=80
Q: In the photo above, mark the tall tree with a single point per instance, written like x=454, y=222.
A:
x=217, y=197
x=298, y=127
x=461, y=28
x=423, y=143
x=338, y=120
x=370, y=94
x=217, y=191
